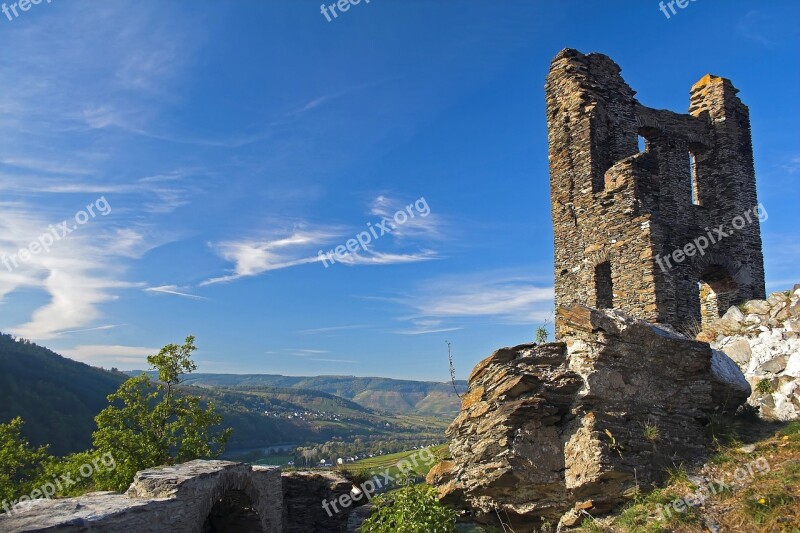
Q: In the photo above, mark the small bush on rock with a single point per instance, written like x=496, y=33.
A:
x=410, y=509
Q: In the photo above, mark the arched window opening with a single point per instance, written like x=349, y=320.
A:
x=233, y=513
x=718, y=292
x=642, y=143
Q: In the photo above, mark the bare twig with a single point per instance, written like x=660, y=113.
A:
x=452, y=369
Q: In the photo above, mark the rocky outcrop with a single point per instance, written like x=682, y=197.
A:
x=763, y=338
x=194, y=497
x=546, y=431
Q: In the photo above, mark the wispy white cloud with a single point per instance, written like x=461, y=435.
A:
x=791, y=165
x=126, y=357
x=85, y=330
x=425, y=326
x=73, y=273
x=254, y=257
x=495, y=295
x=316, y=102
x=173, y=290
x=419, y=220
x=44, y=166
x=425, y=331
x=285, y=249
x=755, y=26
x=380, y=258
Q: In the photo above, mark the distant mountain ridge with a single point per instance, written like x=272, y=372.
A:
x=380, y=394
x=58, y=398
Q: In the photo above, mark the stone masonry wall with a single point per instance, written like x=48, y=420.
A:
x=195, y=497
x=613, y=204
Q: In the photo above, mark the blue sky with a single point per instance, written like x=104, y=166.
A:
x=235, y=140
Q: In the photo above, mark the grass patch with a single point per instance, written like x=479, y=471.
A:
x=375, y=465
x=590, y=525
x=651, y=432
x=766, y=499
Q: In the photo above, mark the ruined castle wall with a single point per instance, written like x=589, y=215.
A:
x=596, y=214
x=618, y=209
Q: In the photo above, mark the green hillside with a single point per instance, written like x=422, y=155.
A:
x=383, y=394
x=57, y=397
x=271, y=416
x=423, y=463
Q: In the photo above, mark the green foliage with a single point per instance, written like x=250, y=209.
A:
x=791, y=430
x=74, y=468
x=651, y=431
x=410, y=509
x=20, y=463
x=612, y=442
x=677, y=474
x=590, y=525
x=764, y=387
x=541, y=331
x=541, y=335
x=149, y=425
x=761, y=504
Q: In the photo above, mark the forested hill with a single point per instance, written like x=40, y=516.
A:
x=382, y=394
x=57, y=397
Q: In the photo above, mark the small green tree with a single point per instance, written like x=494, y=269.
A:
x=21, y=465
x=541, y=331
x=410, y=509
x=149, y=424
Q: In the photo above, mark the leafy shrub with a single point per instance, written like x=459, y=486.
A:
x=410, y=509
x=149, y=425
x=20, y=464
x=764, y=387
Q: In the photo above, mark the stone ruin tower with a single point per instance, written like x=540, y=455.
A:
x=620, y=212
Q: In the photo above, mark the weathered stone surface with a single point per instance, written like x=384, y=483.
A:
x=766, y=348
x=183, y=498
x=304, y=492
x=625, y=224
x=358, y=516
x=734, y=315
x=757, y=307
x=574, y=434
x=738, y=349
x=195, y=497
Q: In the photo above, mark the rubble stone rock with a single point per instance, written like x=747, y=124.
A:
x=768, y=352
x=583, y=421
